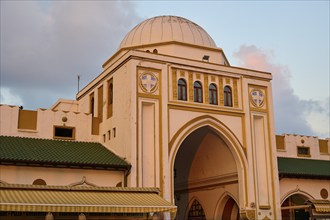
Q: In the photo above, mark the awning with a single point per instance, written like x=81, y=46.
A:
x=320, y=209
x=320, y=206
x=32, y=198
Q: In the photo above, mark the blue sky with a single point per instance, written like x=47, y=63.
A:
x=46, y=44
x=297, y=32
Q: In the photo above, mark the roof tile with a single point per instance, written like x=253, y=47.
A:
x=58, y=152
x=304, y=167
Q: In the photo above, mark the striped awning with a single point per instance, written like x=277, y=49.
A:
x=32, y=198
x=320, y=206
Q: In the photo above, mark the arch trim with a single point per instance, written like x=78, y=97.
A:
x=190, y=204
x=228, y=137
x=222, y=202
x=295, y=192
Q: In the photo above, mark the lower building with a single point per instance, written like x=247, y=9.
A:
x=39, y=181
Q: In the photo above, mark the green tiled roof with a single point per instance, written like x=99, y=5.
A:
x=293, y=167
x=58, y=153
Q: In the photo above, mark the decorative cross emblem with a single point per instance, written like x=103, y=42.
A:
x=257, y=97
x=148, y=82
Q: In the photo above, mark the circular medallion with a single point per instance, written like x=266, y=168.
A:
x=324, y=193
x=148, y=82
x=257, y=97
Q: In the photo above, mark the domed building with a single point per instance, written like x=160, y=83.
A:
x=168, y=130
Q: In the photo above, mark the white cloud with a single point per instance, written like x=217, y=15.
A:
x=292, y=114
x=9, y=98
x=319, y=119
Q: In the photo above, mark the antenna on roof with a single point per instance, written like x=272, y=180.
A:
x=78, y=82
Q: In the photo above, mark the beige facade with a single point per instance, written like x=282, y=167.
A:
x=169, y=103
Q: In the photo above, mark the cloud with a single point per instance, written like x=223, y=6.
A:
x=9, y=98
x=292, y=114
x=45, y=45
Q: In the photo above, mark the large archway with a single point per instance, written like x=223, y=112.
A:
x=205, y=168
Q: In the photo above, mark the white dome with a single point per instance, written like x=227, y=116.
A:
x=163, y=29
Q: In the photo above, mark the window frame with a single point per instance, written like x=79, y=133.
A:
x=196, y=210
x=73, y=129
x=182, y=89
x=198, y=92
x=299, y=154
x=228, y=96
x=213, y=94
x=110, y=98
x=91, y=104
x=110, y=94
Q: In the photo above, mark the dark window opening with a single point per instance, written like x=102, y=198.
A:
x=198, y=92
x=196, y=211
x=182, y=90
x=303, y=151
x=213, y=97
x=63, y=132
x=110, y=94
x=91, y=110
x=110, y=99
x=228, y=96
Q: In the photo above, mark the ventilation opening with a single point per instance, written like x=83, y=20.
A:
x=303, y=151
x=64, y=132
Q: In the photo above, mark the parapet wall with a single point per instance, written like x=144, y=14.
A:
x=42, y=123
x=301, y=146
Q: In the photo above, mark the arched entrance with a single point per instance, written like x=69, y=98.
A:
x=230, y=210
x=206, y=168
x=294, y=207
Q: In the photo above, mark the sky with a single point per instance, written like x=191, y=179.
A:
x=45, y=45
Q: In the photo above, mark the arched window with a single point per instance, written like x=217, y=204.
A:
x=182, y=90
x=213, y=97
x=39, y=182
x=196, y=211
x=228, y=96
x=198, y=92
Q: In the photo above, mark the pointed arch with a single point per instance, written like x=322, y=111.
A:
x=213, y=94
x=182, y=89
x=295, y=192
x=292, y=207
x=228, y=96
x=198, y=92
x=221, y=204
x=226, y=135
x=195, y=210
